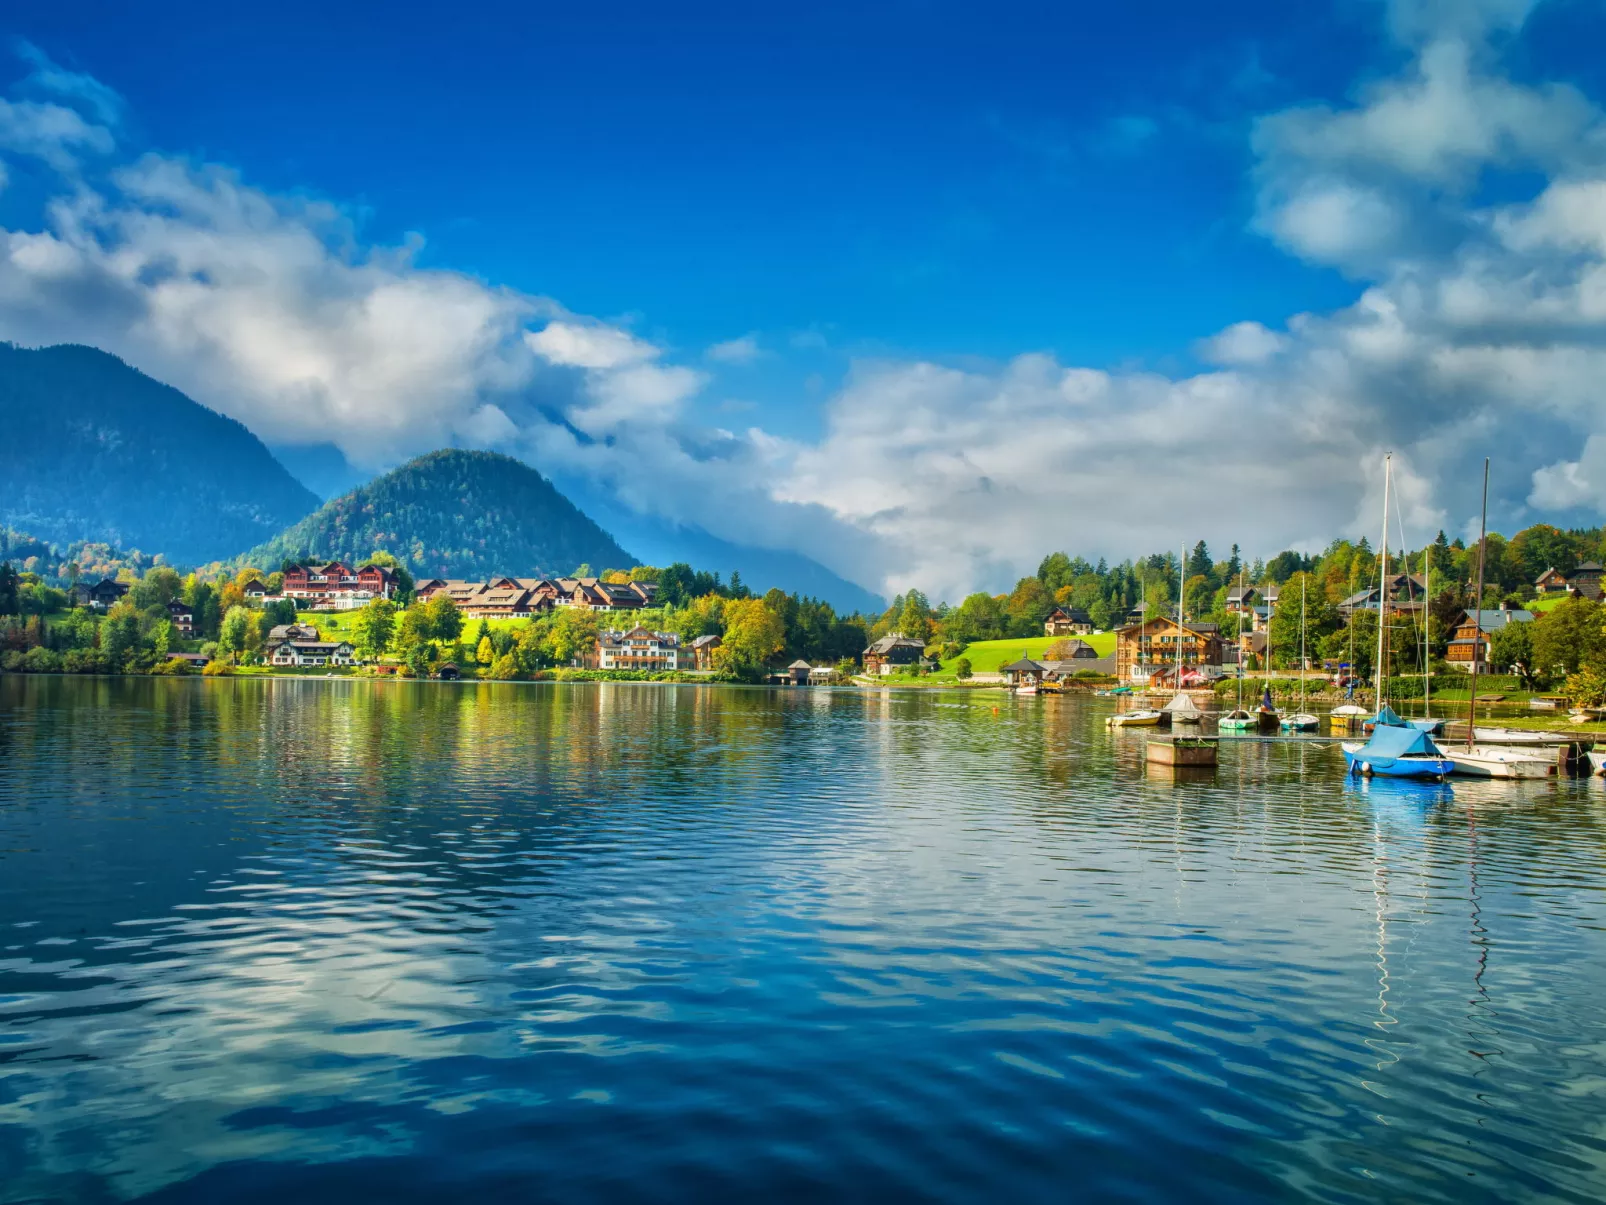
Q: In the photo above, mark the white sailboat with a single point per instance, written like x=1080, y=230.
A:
x=1182, y=709
x=1301, y=720
x=1138, y=717
x=1490, y=761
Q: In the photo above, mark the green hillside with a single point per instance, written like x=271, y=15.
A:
x=453, y=514
x=989, y=656
x=96, y=451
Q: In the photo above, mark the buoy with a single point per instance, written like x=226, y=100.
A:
x=1366, y=767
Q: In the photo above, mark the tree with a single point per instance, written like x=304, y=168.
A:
x=443, y=620
x=1511, y=648
x=484, y=653
x=753, y=635
x=1199, y=562
x=234, y=633
x=962, y=668
x=373, y=627
x=8, y=590
x=1569, y=637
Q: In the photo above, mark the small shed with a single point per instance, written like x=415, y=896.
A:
x=1024, y=672
x=449, y=672
x=798, y=671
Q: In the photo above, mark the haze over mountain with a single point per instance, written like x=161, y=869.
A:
x=454, y=513
x=96, y=450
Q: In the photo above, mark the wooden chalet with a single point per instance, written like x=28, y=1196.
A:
x=1064, y=621
x=1474, y=634
x=182, y=617
x=99, y=595
x=1142, y=649
x=893, y=652
x=702, y=651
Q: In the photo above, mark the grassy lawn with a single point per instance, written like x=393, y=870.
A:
x=1540, y=605
x=988, y=656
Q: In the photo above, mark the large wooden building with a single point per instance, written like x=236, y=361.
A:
x=1141, y=649
x=1474, y=636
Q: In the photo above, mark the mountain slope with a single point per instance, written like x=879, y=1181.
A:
x=96, y=450
x=453, y=514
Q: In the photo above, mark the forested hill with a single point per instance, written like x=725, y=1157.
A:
x=95, y=450
x=453, y=514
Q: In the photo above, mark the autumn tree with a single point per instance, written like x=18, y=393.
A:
x=373, y=627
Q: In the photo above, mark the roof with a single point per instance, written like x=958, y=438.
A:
x=314, y=646
x=1494, y=620
x=1590, y=567
x=703, y=642
x=1390, y=742
x=887, y=643
x=800, y=664
x=1024, y=666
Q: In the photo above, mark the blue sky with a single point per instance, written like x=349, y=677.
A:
x=797, y=220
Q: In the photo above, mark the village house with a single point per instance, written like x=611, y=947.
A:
x=292, y=631
x=1241, y=599
x=1064, y=621
x=196, y=661
x=311, y=652
x=526, y=596
x=99, y=595
x=336, y=586
x=638, y=649
x=1142, y=649
x=255, y=591
x=1406, y=593
x=1024, y=672
x=1584, y=581
x=798, y=672
x=182, y=617
x=702, y=651
x=892, y=653
x=1468, y=646
x=515, y=602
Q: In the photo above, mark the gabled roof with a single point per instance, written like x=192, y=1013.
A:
x=703, y=642
x=887, y=643
x=1590, y=567
x=1493, y=620
x=800, y=664
x=1024, y=666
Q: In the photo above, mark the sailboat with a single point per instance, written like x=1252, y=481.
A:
x=1490, y=761
x=1393, y=750
x=1239, y=720
x=1348, y=716
x=1301, y=720
x=1138, y=717
x=1182, y=709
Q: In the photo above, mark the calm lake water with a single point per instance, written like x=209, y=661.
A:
x=337, y=941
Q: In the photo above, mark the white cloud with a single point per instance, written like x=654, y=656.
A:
x=50, y=132
x=735, y=351
x=1242, y=343
x=1573, y=483
x=589, y=345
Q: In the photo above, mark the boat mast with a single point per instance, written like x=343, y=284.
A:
x=1251, y=638
x=1182, y=594
x=1382, y=581
x=1302, y=580
x=1427, y=618
x=1477, y=613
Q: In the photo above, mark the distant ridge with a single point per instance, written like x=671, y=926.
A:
x=92, y=449
x=453, y=514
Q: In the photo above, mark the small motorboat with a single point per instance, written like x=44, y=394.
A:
x=1300, y=721
x=1492, y=761
x=1347, y=717
x=1143, y=717
x=1397, y=752
x=1514, y=736
x=1238, y=721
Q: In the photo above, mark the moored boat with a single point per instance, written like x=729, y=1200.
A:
x=1397, y=753
x=1143, y=717
x=1347, y=716
x=1300, y=721
x=1238, y=720
x=1597, y=762
x=1492, y=761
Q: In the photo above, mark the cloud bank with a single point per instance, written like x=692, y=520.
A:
x=1479, y=329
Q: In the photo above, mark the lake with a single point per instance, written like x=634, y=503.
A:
x=339, y=940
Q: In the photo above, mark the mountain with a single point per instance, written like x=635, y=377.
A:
x=96, y=450
x=453, y=514
x=659, y=542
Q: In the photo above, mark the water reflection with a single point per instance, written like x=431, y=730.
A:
x=644, y=943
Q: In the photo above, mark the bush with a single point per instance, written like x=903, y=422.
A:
x=84, y=661
x=962, y=668
x=217, y=669
x=505, y=668
x=41, y=661
x=11, y=661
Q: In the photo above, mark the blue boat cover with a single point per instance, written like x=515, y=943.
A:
x=1388, y=716
x=1388, y=743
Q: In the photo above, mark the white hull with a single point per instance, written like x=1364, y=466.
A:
x=1516, y=736
x=1491, y=761
x=1134, y=719
x=1597, y=762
